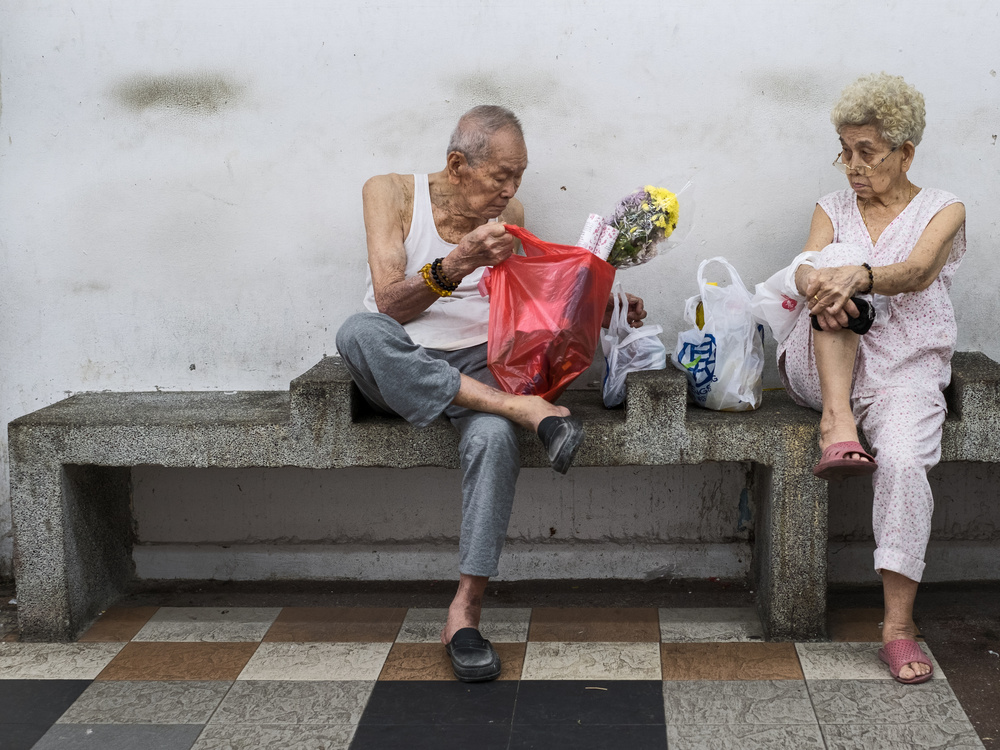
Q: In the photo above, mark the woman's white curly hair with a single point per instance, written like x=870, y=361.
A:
x=888, y=102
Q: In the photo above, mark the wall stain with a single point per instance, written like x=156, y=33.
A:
x=192, y=93
x=531, y=89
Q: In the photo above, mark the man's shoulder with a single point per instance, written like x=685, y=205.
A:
x=392, y=188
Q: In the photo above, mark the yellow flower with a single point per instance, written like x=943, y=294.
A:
x=666, y=206
x=663, y=199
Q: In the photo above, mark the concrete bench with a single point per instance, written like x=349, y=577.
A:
x=71, y=471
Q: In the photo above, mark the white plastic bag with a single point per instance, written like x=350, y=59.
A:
x=724, y=359
x=777, y=301
x=627, y=349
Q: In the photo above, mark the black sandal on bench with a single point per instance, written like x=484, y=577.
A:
x=562, y=437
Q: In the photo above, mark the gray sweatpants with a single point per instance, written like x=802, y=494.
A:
x=399, y=377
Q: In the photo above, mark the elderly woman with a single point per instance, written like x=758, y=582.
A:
x=873, y=349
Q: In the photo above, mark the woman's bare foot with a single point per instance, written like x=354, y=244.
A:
x=894, y=632
x=900, y=593
x=835, y=427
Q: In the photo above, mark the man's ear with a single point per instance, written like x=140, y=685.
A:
x=457, y=165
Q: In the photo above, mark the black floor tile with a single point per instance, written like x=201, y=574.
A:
x=589, y=702
x=603, y=737
x=20, y=736
x=441, y=703
x=38, y=702
x=376, y=737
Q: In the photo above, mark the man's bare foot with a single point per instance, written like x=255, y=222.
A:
x=908, y=632
x=526, y=411
x=529, y=411
x=466, y=608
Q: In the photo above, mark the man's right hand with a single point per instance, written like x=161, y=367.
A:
x=487, y=245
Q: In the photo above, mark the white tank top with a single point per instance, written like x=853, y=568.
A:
x=450, y=323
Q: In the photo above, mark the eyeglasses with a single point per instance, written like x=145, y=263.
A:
x=865, y=170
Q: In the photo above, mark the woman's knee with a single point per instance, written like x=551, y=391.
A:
x=842, y=254
x=902, y=460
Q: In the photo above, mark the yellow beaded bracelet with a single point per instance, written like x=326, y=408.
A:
x=429, y=280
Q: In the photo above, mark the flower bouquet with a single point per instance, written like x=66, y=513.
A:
x=640, y=223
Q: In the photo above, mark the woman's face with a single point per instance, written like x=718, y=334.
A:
x=862, y=145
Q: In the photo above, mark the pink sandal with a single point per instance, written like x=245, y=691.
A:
x=835, y=465
x=897, y=654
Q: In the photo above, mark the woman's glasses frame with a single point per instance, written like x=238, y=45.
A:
x=865, y=170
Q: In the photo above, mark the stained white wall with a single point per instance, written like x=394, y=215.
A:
x=180, y=182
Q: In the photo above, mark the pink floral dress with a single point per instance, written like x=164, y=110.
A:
x=903, y=364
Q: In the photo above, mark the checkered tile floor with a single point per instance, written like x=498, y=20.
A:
x=296, y=677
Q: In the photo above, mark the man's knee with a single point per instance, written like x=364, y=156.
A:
x=360, y=330
x=490, y=435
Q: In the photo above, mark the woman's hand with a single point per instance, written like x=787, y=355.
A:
x=829, y=291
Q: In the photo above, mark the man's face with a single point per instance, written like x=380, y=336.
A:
x=491, y=184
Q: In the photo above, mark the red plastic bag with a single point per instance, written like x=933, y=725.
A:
x=546, y=310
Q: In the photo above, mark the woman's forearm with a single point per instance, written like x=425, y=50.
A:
x=901, y=278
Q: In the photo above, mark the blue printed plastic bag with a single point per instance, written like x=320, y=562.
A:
x=723, y=358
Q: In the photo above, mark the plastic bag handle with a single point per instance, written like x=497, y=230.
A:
x=641, y=333
x=620, y=316
x=534, y=247
x=691, y=309
x=734, y=276
x=621, y=300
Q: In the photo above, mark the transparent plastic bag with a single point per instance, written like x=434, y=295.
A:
x=723, y=359
x=627, y=349
x=777, y=302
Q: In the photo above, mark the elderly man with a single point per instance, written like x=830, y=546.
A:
x=421, y=351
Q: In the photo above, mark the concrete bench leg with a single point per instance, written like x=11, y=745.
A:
x=74, y=545
x=790, y=547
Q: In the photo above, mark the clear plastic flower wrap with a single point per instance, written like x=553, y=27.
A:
x=643, y=222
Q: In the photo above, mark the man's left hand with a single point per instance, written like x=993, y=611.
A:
x=636, y=311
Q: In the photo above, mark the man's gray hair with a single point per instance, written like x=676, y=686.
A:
x=476, y=128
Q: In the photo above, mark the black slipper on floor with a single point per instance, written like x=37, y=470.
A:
x=473, y=657
x=861, y=324
x=562, y=437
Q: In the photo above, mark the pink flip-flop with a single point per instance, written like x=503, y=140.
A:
x=897, y=654
x=835, y=465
